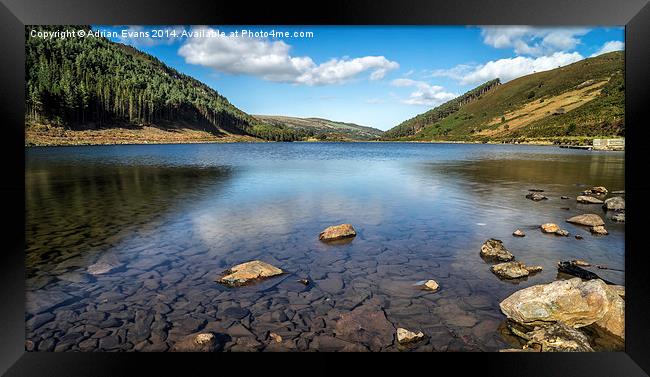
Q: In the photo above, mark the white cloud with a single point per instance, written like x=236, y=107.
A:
x=609, y=47
x=425, y=93
x=272, y=61
x=456, y=73
x=511, y=68
x=529, y=40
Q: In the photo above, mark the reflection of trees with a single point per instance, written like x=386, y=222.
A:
x=72, y=209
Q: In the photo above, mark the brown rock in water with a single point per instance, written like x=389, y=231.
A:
x=428, y=285
x=564, y=197
x=616, y=203
x=494, y=249
x=405, y=336
x=534, y=269
x=600, y=190
x=275, y=337
x=536, y=197
x=572, y=301
x=589, y=219
x=581, y=263
x=510, y=270
x=619, y=217
x=514, y=270
x=588, y=200
x=366, y=324
x=549, y=228
x=247, y=272
x=337, y=232
x=562, y=232
x=201, y=342
x=600, y=230
x=578, y=237
x=558, y=337
x=519, y=233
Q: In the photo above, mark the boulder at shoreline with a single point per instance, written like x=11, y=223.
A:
x=574, y=302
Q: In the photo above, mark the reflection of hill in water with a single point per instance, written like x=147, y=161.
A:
x=538, y=170
x=72, y=210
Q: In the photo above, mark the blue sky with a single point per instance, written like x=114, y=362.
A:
x=373, y=76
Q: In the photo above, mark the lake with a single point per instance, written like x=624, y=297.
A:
x=171, y=218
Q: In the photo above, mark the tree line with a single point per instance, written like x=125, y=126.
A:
x=95, y=83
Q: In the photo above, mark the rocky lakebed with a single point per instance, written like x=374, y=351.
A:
x=542, y=280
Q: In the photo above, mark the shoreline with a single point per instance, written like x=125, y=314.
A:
x=51, y=136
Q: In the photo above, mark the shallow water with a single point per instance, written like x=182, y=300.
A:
x=173, y=217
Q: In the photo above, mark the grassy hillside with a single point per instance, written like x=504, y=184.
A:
x=416, y=124
x=323, y=129
x=95, y=84
x=569, y=104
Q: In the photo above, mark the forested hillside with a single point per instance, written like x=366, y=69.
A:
x=324, y=129
x=93, y=83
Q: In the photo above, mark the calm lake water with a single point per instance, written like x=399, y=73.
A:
x=171, y=218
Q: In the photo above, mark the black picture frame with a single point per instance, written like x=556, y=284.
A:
x=634, y=14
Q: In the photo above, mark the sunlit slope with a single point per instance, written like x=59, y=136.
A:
x=584, y=99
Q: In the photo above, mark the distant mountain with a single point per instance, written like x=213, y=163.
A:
x=87, y=84
x=579, y=101
x=323, y=129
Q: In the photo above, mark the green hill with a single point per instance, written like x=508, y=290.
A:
x=568, y=104
x=323, y=129
x=86, y=84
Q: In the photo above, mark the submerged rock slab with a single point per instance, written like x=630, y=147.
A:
x=494, y=249
x=589, y=219
x=244, y=273
x=337, y=232
x=573, y=302
x=367, y=324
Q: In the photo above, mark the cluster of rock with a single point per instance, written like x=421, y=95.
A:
x=594, y=195
x=493, y=250
x=615, y=204
x=563, y=315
